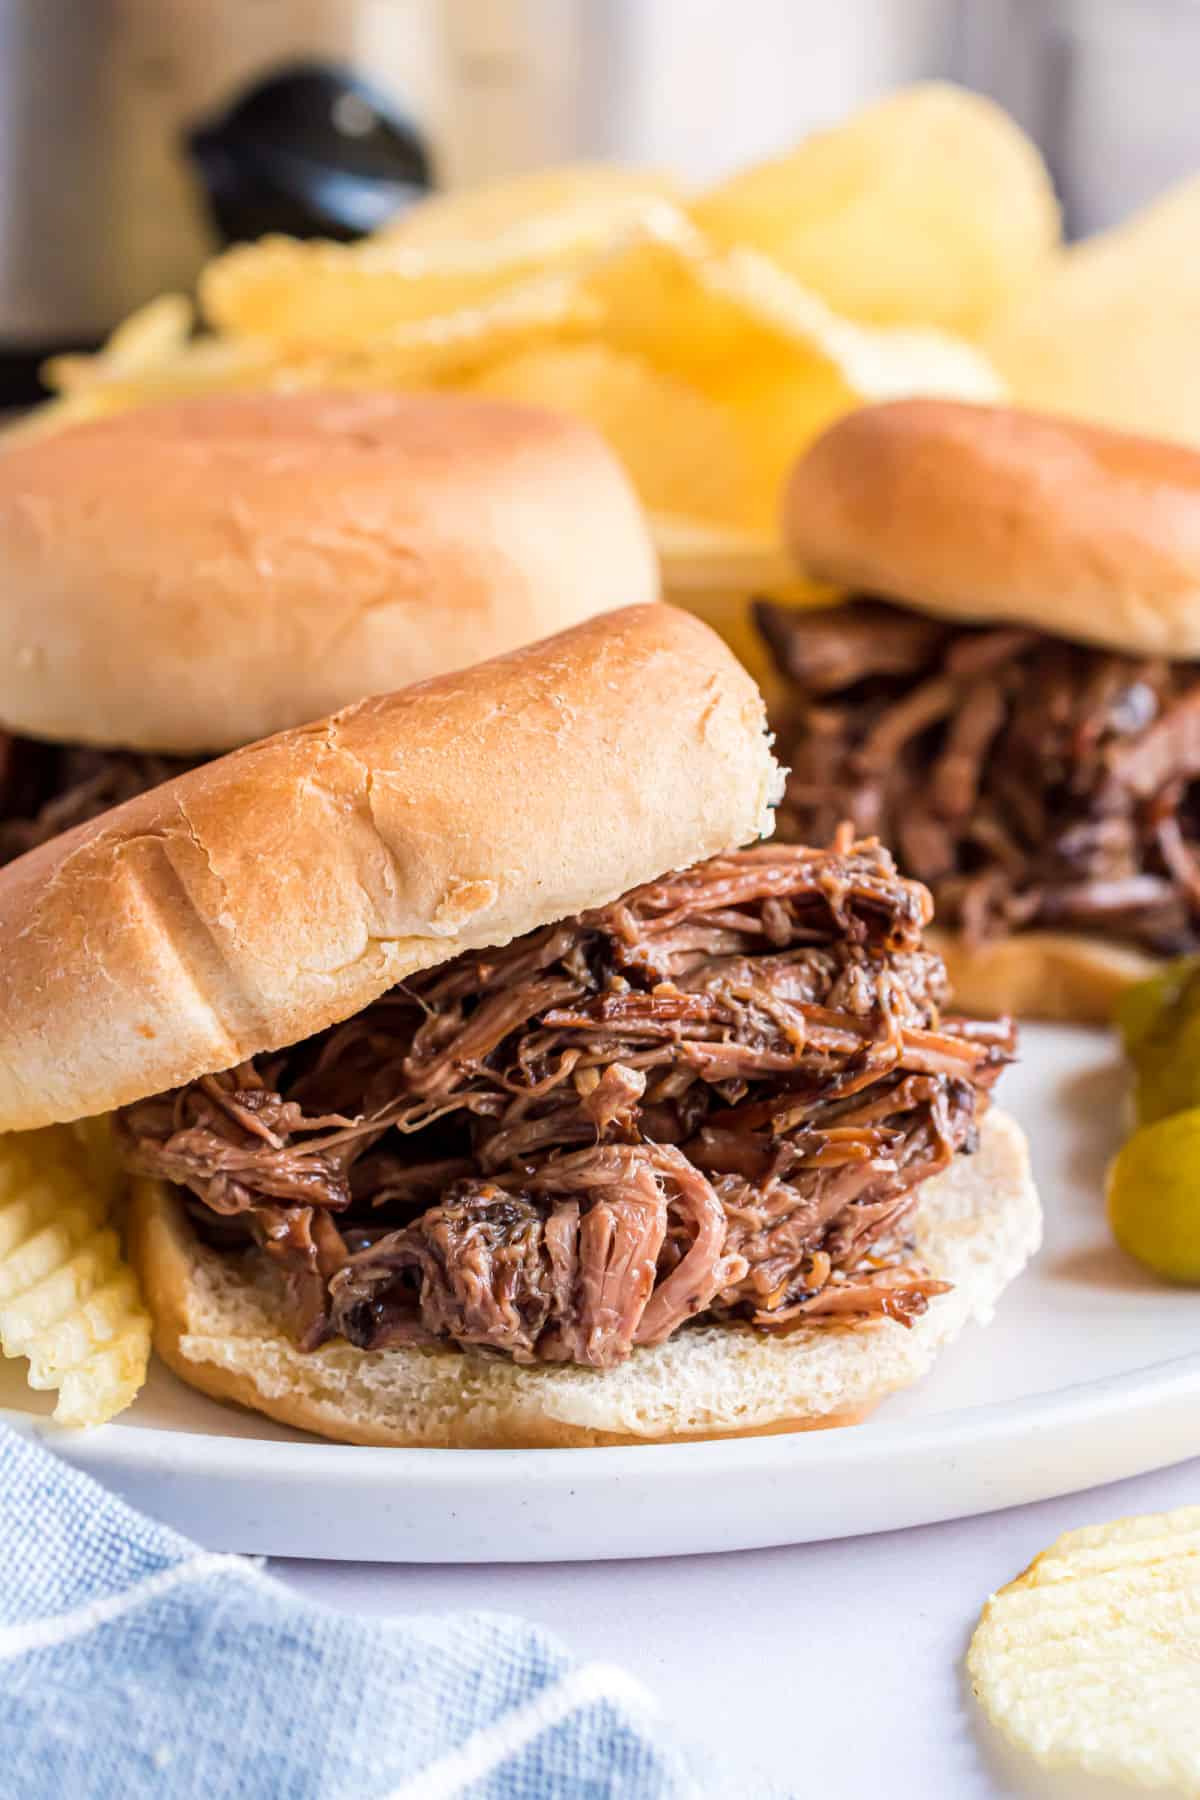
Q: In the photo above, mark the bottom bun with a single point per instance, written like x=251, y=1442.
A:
x=1042, y=975
x=220, y=1324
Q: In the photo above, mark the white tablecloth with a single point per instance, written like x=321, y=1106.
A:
x=831, y=1669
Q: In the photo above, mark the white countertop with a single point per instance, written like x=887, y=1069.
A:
x=830, y=1668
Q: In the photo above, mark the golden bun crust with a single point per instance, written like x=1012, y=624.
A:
x=1053, y=975
x=219, y=1324
x=194, y=576
x=989, y=514
x=280, y=889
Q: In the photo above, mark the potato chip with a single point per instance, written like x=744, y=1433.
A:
x=1111, y=332
x=772, y=355
x=420, y=354
x=204, y=365
x=109, y=1381
x=660, y=296
x=1091, y=1658
x=150, y=353
x=320, y=298
x=68, y=1302
x=455, y=251
x=543, y=310
x=152, y=335
x=931, y=207
x=704, y=312
x=550, y=213
x=51, y=416
x=683, y=453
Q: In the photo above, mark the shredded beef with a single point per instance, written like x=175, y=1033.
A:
x=48, y=788
x=715, y=1098
x=1026, y=780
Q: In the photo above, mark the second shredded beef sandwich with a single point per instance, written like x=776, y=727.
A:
x=487, y=1081
x=185, y=578
x=1011, y=695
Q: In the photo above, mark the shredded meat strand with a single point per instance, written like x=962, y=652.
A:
x=715, y=1098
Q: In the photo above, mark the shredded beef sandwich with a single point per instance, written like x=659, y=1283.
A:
x=485, y=1079
x=1010, y=694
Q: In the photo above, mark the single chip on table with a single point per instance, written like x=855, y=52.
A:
x=1091, y=1658
x=68, y=1301
x=930, y=207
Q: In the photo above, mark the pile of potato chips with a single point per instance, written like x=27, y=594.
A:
x=914, y=249
x=708, y=338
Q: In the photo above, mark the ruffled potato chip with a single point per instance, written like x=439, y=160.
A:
x=1091, y=1658
x=68, y=1301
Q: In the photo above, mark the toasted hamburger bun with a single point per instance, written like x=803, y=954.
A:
x=220, y=1325
x=197, y=575
x=988, y=514
x=264, y=896
x=1055, y=975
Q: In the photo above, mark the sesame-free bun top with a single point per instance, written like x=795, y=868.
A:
x=196, y=575
x=989, y=514
x=269, y=894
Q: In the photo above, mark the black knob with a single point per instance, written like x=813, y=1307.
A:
x=312, y=151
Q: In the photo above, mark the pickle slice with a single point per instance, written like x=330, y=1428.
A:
x=1154, y=1196
x=1159, y=1022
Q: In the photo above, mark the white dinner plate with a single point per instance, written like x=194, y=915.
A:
x=1090, y=1372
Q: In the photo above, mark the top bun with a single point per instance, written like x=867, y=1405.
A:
x=193, y=576
x=985, y=514
x=264, y=896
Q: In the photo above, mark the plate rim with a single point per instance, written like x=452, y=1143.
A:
x=136, y=1448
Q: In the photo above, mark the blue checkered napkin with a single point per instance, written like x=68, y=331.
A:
x=134, y=1664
